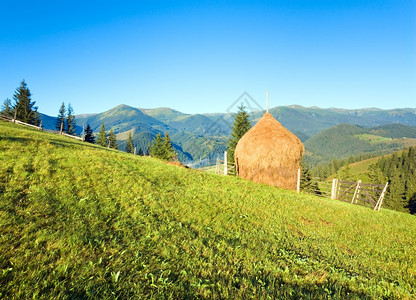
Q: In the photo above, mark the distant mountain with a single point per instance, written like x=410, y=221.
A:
x=203, y=137
x=124, y=118
x=312, y=120
x=164, y=114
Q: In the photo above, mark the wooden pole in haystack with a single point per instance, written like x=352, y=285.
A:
x=267, y=107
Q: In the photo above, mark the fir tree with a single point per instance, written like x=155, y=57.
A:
x=140, y=152
x=60, y=120
x=112, y=140
x=412, y=204
x=102, y=137
x=307, y=183
x=240, y=126
x=89, y=137
x=24, y=107
x=70, y=120
x=156, y=148
x=6, y=109
x=168, y=151
x=129, y=145
x=376, y=175
x=345, y=174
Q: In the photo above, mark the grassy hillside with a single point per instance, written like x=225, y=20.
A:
x=80, y=221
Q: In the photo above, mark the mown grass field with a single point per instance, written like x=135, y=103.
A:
x=80, y=221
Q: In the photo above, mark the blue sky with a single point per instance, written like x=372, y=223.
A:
x=199, y=56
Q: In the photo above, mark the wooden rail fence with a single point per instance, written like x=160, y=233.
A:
x=366, y=194
x=12, y=120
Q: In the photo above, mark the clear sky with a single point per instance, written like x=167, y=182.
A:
x=199, y=56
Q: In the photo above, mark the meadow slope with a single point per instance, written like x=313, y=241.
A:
x=81, y=221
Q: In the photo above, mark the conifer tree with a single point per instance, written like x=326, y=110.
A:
x=376, y=175
x=129, y=145
x=70, y=120
x=345, y=174
x=60, y=120
x=7, y=109
x=112, y=140
x=102, y=137
x=240, y=126
x=307, y=183
x=168, y=151
x=89, y=137
x=24, y=107
x=156, y=148
x=140, y=152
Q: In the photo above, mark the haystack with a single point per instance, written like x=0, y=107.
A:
x=269, y=153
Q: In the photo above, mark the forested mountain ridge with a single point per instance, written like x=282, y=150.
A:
x=345, y=140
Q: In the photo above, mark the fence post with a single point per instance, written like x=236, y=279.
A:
x=298, y=182
x=380, y=200
x=225, y=163
x=15, y=114
x=357, y=191
x=334, y=190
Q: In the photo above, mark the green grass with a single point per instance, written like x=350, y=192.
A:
x=80, y=221
x=359, y=170
x=373, y=139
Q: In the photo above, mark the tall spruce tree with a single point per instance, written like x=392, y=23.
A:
x=102, y=136
x=112, y=140
x=129, y=144
x=140, y=152
x=240, y=126
x=89, y=137
x=60, y=120
x=307, y=183
x=70, y=120
x=7, y=109
x=168, y=151
x=24, y=107
x=156, y=148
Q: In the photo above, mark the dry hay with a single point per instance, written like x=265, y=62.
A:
x=176, y=163
x=269, y=153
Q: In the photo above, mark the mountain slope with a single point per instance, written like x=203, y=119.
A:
x=123, y=118
x=81, y=221
x=163, y=114
x=346, y=140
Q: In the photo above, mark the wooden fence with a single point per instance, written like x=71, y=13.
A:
x=224, y=167
x=366, y=194
x=321, y=187
x=13, y=120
